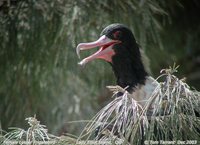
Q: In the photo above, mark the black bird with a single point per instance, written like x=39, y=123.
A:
x=119, y=48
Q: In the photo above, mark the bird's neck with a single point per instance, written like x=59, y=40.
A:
x=129, y=71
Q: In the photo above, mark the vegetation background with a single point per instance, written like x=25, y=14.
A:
x=38, y=64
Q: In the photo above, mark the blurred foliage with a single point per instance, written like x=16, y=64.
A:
x=38, y=64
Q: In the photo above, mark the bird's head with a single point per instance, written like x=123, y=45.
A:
x=115, y=39
x=118, y=47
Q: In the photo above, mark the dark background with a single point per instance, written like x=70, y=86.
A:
x=38, y=64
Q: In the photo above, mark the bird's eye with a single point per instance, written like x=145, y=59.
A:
x=117, y=34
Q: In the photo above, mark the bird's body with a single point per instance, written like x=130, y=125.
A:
x=142, y=93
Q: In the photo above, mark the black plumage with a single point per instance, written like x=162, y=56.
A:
x=126, y=63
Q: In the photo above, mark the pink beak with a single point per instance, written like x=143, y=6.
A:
x=105, y=52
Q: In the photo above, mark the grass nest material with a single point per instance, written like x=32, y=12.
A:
x=175, y=117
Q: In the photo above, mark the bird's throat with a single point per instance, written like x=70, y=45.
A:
x=129, y=71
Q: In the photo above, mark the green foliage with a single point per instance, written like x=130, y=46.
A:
x=38, y=63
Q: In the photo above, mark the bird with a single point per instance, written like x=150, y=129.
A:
x=118, y=46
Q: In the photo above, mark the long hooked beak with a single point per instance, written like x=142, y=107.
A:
x=105, y=52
